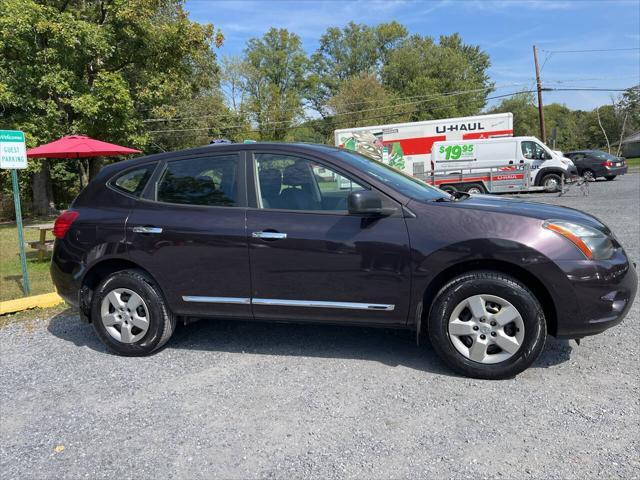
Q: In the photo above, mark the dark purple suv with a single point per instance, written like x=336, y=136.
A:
x=309, y=233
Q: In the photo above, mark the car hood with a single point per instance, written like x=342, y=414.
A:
x=513, y=206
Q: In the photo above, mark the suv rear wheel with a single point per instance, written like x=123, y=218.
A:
x=487, y=324
x=129, y=314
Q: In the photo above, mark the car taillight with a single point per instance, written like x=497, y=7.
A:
x=607, y=164
x=63, y=222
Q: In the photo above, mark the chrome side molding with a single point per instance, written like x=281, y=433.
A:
x=290, y=303
x=233, y=300
x=322, y=304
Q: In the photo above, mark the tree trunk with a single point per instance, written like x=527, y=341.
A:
x=42, y=192
x=95, y=164
x=83, y=165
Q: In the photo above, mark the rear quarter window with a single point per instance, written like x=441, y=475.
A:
x=133, y=181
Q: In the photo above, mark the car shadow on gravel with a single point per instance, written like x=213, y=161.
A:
x=387, y=346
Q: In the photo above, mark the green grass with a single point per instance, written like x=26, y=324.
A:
x=10, y=271
x=633, y=162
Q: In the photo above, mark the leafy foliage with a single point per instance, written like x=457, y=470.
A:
x=575, y=129
x=362, y=100
x=99, y=67
x=348, y=52
x=274, y=77
x=421, y=69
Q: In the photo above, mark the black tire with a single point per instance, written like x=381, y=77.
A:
x=589, y=175
x=161, y=321
x=610, y=177
x=496, y=284
x=554, y=182
x=475, y=188
x=448, y=188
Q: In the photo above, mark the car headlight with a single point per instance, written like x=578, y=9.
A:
x=594, y=244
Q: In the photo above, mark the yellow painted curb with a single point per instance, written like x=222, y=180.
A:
x=36, y=301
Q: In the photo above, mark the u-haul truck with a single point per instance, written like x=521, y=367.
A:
x=500, y=164
x=407, y=146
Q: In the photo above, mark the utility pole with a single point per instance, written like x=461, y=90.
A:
x=543, y=135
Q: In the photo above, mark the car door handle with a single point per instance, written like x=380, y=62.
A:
x=269, y=235
x=147, y=230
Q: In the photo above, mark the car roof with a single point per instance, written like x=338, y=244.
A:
x=220, y=147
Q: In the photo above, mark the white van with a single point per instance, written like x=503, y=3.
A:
x=547, y=166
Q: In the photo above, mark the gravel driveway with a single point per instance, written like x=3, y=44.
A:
x=246, y=400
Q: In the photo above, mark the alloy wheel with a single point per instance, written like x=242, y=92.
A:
x=486, y=329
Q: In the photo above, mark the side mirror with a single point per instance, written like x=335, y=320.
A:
x=365, y=202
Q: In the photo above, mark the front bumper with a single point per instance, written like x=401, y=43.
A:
x=598, y=295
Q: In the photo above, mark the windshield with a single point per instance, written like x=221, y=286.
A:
x=403, y=183
x=603, y=156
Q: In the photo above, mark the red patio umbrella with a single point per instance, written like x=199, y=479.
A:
x=78, y=146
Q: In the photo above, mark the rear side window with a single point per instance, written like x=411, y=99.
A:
x=210, y=181
x=134, y=181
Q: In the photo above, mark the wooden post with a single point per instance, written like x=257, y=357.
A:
x=543, y=135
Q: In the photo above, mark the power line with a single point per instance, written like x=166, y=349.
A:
x=591, y=51
x=422, y=99
x=229, y=127
x=587, y=89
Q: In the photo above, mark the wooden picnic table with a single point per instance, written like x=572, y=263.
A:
x=43, y=245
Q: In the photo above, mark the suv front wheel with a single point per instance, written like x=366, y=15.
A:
x=129, y=314
x=486, y=324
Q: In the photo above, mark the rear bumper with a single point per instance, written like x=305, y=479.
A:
x=614, y=171
x=597, y=296
x=65, y=274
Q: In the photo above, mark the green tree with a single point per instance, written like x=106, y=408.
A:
x=362, y=100
x=99, y=68
x=273, y=73
x=562, y=127
x=348, y=52
x=421, y=71
x=525, y=113
x=629, y=108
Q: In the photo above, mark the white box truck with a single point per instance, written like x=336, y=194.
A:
x=546, y=168
x=408, y=146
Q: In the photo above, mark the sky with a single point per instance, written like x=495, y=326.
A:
x=505, y=29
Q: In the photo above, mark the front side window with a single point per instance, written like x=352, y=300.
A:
x=134, y=181
x=293, y=183
x=392, y=178
x=534, y=151
x=209, y=181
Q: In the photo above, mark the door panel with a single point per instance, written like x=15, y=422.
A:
x=195, y=244
x=329, y=258
x=311, y=260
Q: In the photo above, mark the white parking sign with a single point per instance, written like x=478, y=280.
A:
x=13, y=152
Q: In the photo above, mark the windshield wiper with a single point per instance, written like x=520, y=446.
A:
x=456, y=196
